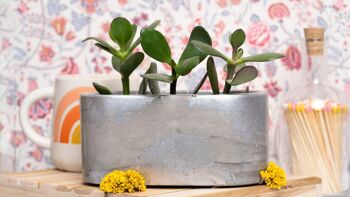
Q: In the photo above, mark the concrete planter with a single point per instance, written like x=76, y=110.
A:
x=179, y=140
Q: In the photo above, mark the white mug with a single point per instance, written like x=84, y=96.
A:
x=65, y=141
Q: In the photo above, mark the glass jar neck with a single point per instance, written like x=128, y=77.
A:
x=317, y=69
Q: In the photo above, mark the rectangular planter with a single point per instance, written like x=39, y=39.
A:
x=179, y=140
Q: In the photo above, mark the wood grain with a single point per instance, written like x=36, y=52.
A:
x=62, y=184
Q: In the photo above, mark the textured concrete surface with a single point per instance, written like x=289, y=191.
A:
x=202, y=140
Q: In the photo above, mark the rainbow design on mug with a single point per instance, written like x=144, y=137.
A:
x=67, y=117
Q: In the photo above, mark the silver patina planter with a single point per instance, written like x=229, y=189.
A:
x=192, y=140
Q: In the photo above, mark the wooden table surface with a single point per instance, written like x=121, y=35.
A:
x=64, y=184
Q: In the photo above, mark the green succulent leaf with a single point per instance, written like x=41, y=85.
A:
x=244, y=75
x=237, y=38
x=155, y=45
x=239, y=54
x=209, y=50
x=153, y=84
x=153, y=25
x=159, y=77
x=264, y=57
x=200, y=34
x=104, y=48
x=134, y=30
x=184, y=67
x=143, y=86
x=101, y=89
x=213, y=76
x=138, y=40
x=120, y=32
x=200, y=84
x=102, y=44
x=116, y=63
x=131, y=63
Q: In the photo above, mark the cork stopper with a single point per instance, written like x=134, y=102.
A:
x=314, y=41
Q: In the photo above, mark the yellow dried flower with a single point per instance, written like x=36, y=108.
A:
x=274, y=176
x=123, y=181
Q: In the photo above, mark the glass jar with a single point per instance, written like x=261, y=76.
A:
x=313, y=118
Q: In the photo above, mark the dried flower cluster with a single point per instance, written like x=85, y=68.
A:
x=274, y=176
x=123, y=181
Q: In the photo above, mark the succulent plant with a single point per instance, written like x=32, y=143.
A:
x=237, y=71
x=156, y=46
x=124, y=61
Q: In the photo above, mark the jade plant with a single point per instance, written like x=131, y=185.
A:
x=124, y=60
x=155, y=45
x=237, y=71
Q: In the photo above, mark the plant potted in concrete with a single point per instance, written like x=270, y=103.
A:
x=192, y=139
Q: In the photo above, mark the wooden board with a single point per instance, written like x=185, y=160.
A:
x=64, y=184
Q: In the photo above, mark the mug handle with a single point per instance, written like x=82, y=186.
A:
x=27, y=102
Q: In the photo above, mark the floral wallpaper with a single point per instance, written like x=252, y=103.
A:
x=40, y=39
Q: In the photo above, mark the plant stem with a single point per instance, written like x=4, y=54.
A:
x=230, y=71
x=173, y=84
x=126, y=86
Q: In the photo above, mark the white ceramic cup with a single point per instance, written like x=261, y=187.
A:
x=65, y=143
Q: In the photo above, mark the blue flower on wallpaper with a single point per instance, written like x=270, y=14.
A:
x=273, y=28
x=334, y=54
x=79, y=20
x=321, y=22
x=177, y=3
x=54, y=7
x=19, y=54
x=255, y=18
x=154, y=3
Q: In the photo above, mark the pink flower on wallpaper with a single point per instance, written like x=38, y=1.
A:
x=142, y=19
x=206, y=85
x=40, y=109
x=32, y=84
x=219, y=28
x=5, y=44
x=278, y=11
x=272, y=88
x=70, y=36
x=17, y=138
x=235, y=2
x=105, y=27
x=184, y=40
x=90, y=5
x=70, y=67
x=59, y=25
x=123, y=2
x=258, y=35
x=22, y=7
x=37, y=153
x=339, y=5
x=46, y=53
x=318, y=5
x=292, y=58
x=224, y=3
x=221, y=3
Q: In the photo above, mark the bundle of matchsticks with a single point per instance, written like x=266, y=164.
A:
x=316, y=134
